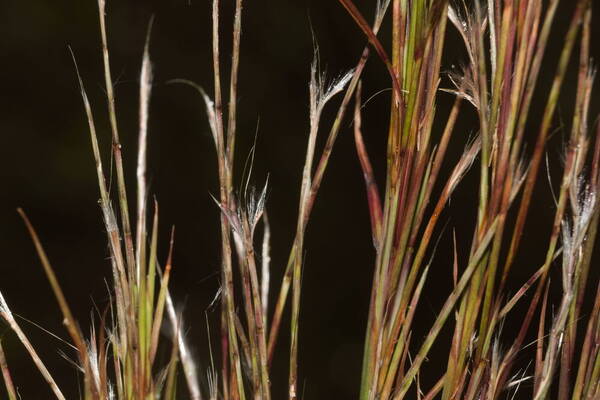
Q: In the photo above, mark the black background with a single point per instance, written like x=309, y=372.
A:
x=46, y=167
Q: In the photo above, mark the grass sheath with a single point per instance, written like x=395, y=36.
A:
x=127, y=356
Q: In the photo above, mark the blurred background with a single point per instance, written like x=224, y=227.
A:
x=46, y=167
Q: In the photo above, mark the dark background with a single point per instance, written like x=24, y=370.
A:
x=46, y=167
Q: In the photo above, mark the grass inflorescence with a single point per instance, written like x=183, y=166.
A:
x=505, y=43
